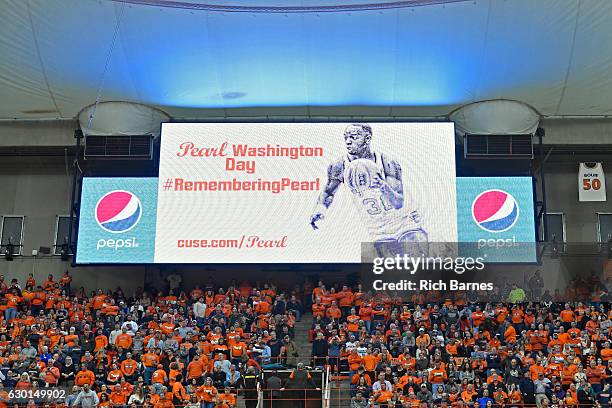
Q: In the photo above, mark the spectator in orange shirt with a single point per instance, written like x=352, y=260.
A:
x=207, y=393
x=110, y=308
x=129, y=367
x=49, y=283
x=124, y=340
x=333, y=312
x=179, y=395
x=167, y=327
x=510, y=333
x=262, y=307
x=118, y=397
x=365, y=313
x=50, y=374
x=38, y=300
x=423, y=338
x=318, y=309
x=370, y=360
x=114, y=375
x=159, y=376
x=567, y=316
x=195, y=369
x=345, y=300
x=478, y=317
x=237, y=350
x=149, y=361
x=12, y=303
x=65, y=282
x=383, y=395
x=606, y=352
x=227, y=397
x=31, y=282
x=437, y=375
x=353, y=322
x=567, y=373
x=104, y=400
x=84, y=376
x=165, y=399
x=361, y=374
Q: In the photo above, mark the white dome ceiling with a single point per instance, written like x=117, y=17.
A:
x=401, y=58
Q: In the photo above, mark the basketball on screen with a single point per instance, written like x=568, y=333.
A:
x=360, y=174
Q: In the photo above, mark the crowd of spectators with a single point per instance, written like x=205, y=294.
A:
x=201, y=348
x=205, y=347
x=428, y=351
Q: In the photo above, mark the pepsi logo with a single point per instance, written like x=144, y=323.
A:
x=118, y=211
x=495, y=211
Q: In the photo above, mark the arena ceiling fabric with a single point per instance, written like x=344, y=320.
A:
x=196, y=59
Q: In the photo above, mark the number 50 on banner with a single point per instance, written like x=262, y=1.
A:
x=591, y=182
x=588, y=184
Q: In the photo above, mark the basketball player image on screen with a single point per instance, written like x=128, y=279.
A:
x=375, y=181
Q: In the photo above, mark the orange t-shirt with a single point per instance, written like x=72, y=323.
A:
x=118, y=398
x=84, y=377
x=228, y=399
x=195, y=369
x=206, y=393
x=114, y=376
x=150, y=359
x=567, y=316
x=159, y=377
x=535, y=370
x=437, y=376
x=369, y=362
x=123, y=340
x=128, y=367
x=353, y=323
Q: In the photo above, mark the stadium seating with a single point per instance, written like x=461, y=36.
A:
x=430, y=351
x=196, y=348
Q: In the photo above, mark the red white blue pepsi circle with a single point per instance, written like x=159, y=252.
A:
x=118, y=211
x=495, y=211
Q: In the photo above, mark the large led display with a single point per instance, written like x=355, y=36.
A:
x=302, y=193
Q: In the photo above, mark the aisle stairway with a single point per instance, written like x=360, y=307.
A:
x=340, y=387
x=304, y=347
x=340, y=395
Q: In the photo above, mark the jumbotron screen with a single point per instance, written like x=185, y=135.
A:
x=292, y=193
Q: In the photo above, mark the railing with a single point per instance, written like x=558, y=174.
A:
x=265, y=398
x=281, y=402
x=326, y=388
x=290, y=398
x=311, y=397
